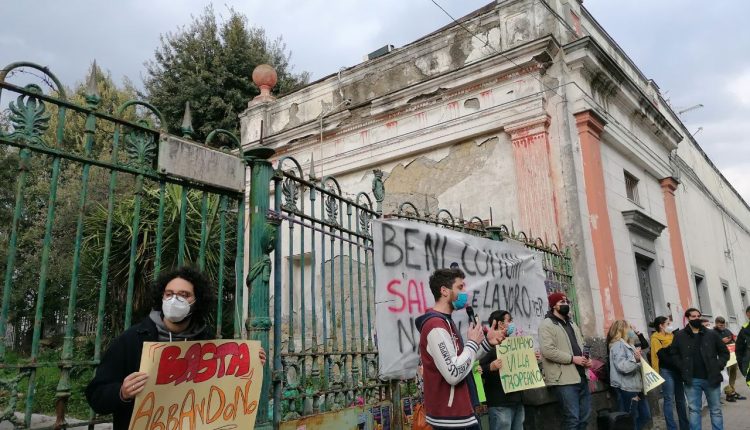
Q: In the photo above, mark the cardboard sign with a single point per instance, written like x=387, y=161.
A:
x=651, y=379
x=199, y=385
x=520, y=370
x=732, y=355
x=499, y=275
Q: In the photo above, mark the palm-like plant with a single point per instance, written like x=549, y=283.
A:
x=145, y=259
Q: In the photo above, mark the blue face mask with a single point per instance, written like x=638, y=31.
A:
x=460, y=302
x=631, y=334
x=510, y=329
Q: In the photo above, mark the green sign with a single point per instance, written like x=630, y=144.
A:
x=520, y=370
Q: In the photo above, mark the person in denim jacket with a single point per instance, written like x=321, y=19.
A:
x=625, y=373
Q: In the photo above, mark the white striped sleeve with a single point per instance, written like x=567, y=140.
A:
x=454, y=368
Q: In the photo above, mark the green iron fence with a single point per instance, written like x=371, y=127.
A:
x=323, y=284
x=323, y=296
x=87, y=189
x=87, y=223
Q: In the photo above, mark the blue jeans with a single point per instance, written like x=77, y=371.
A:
x=507, y=417
x=638, y=409
x=575, y=401
x=695, y=391
x=674, y=396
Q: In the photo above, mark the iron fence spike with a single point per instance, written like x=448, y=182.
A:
x=187, y=122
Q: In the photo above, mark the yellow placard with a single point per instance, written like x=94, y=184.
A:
x=651, y=378
x=199, y=385
x=520, y=370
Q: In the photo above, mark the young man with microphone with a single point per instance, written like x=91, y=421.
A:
x=446, y=360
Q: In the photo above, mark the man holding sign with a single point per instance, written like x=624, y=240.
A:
x=506, y=409
x=446, y=360
x=564, y=363
x=726, y=336
x=182, y=300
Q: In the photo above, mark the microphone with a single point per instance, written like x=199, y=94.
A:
x=472, y=316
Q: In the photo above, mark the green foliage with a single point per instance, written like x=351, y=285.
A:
x=208, y=63
x=46, y=380
x=122, y=235
x=34, y=215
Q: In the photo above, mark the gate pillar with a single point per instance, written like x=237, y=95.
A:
x=262, y=239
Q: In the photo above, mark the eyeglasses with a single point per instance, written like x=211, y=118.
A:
x=181, y=295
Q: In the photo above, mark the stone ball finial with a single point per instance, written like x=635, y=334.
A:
x=265, y=78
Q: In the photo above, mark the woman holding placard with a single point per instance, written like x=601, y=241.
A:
x=625, y=373
x=672, y=390
x=182, y=301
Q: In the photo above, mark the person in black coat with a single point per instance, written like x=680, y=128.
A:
x=182, y=300
x=700, y=356
x=506, y=411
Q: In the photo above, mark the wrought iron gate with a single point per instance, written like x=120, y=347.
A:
x=87, y=224
x=83, y=262
x=323, y=284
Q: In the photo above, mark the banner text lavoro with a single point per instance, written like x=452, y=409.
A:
x=499, y=275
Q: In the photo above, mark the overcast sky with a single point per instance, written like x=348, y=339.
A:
x=697, y=51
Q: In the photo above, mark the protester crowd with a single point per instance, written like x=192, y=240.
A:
x=689, y=361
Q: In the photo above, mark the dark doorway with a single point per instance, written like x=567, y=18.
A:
x=644, y=280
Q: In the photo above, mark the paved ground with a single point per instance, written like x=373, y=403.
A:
x=736, y=414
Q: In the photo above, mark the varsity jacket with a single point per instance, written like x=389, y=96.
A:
x=446, y=363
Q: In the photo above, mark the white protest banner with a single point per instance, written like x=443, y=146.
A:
x=520, y=370
x=651, y=379
x=499, y=275
x=208, y=384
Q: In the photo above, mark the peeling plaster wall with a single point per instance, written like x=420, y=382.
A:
x=502, y=27
x=472, y=174
x=440, y=117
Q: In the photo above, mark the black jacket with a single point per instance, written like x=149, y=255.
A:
x=493, y=388
x=725, y=333
x=715, y=353
x=121, y=359
x=742, y=350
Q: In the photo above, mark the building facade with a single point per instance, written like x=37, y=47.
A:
x=529, y=111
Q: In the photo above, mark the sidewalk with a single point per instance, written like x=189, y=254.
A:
x=737, y=414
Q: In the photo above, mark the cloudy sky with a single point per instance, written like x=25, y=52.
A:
x=697, y=51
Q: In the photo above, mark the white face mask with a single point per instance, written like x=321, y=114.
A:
x=175, y=308
x=670, y=329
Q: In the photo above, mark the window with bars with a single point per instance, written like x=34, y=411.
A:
x=704, y=302
x=631, y=188
x=728, y=301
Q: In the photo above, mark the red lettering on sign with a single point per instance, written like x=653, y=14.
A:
x=414, y=297
x=392, y=290
x=202, y=361
x=412, y=300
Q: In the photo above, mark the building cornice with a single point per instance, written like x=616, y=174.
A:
x=610, y=80
x=529, y=58
x=642, y=224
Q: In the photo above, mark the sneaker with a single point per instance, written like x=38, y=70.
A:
x=731, y=399
x=738, y=396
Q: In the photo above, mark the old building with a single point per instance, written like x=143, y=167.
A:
x=531, y=109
